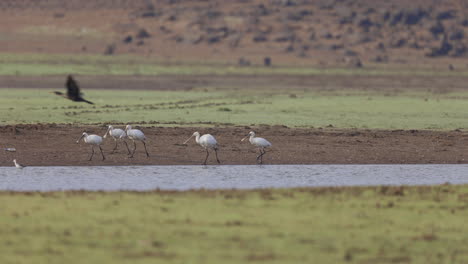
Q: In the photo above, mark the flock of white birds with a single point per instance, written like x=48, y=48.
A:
x=207, y=141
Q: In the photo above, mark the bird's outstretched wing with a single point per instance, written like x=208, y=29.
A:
x=86, y=101
x=73, y=90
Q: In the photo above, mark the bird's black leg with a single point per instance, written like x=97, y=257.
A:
x=261, y=156
x=115, y=147
x=134, y=149
x=126, y=146
x=144, y=144
x=92, y=153
x=207, y=154
x=103, y=158
x=216, y=152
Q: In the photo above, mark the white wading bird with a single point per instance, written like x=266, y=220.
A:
x=117, y=134
x=17, y=165
x=136, y=134
x=207, y=141
x=92, y=140
x=259, y=142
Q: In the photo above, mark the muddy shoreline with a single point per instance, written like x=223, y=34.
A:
x=55, y=145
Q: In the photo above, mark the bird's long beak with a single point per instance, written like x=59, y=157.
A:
x=245, y=137
x=188, y=139
x=105, y=135
x=78, y=141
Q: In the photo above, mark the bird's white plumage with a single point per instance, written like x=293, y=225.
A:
x=134, y=134
x=206, y=141
x=17, y=165
x=115, y=133
x=118, y=135
x=258, y=141
x=92, y=139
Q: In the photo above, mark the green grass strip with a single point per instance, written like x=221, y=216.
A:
x=61, y=64
x=323, y=225
x=417, y=110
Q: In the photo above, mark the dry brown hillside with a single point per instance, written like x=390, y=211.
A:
x=305, y=32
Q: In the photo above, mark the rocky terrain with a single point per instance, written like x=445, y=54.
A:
x=289, y=32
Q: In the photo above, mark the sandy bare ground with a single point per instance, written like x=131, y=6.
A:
x=54, y=145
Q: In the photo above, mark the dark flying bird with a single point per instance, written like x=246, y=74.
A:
x=73, y=91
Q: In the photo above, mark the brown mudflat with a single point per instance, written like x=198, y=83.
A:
x=55, y=145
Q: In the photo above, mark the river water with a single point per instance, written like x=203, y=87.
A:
x=142, y=178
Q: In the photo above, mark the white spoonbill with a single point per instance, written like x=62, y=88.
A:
x=93, y=140
x=136, y=134
x=207, y=141
x=117, y=134
x=259, y=142
x=17, y=165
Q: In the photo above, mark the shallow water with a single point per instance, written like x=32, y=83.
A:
x=143, y=178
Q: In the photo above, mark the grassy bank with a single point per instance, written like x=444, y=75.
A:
x=321, y=225
x=416, y=110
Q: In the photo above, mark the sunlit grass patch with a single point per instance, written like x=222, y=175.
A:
x=210, y=107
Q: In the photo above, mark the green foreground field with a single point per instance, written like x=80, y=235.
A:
x=208, y=106
x=311, y=225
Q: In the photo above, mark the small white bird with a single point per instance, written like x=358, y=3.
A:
x=259, y=142
x=93, y=140
x=136, y=134
x=17, y=165
x=207, y=141
x=117, y=134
